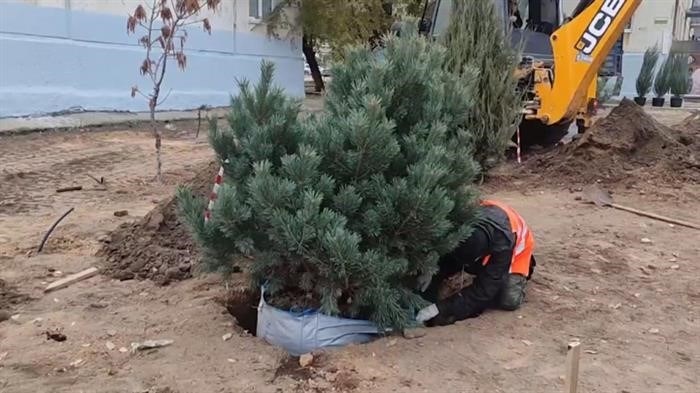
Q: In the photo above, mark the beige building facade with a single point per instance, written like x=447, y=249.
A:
x=660, y=22
x=655, y=21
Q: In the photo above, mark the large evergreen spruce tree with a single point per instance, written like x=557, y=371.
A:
x=343, y=210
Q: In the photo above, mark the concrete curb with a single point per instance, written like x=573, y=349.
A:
x=24, y=125
x=19, y=125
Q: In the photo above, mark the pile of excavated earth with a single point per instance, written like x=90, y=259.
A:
x=625, y=148
x=159, y=246
x=690, y=129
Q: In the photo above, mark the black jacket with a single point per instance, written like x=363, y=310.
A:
x=492, y=236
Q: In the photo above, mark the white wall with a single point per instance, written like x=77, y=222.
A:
x=651, y=24
x=230, y=15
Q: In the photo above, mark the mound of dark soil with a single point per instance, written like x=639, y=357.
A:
x=626, y=147
x=689, y=130
x=158, y=247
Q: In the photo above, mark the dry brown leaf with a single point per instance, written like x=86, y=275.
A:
x=140, y=13
x=131, y=24
x=165, y=31
x=145, y=67
x=166, y=14
x=207, y=25
x=181, y=60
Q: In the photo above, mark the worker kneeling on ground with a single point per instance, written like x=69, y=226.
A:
x=498, y=254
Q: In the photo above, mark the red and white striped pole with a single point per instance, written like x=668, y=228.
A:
x=517, y=149
x=214, y=193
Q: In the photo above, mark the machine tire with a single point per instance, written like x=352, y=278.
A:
x=581, y=125
x=534, y=132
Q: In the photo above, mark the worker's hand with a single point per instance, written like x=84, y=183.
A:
x=423, y=281
x=427, y=313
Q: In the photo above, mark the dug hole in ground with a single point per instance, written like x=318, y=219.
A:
x=622, y=285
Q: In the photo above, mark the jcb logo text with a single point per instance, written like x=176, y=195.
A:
x=599, y=26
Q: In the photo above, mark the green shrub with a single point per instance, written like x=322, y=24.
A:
x=662, y=82
x=606, y=90
x=645, y=79
x=680, y=81
x=475, y=42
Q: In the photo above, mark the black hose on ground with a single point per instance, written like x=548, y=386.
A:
x=48, y=233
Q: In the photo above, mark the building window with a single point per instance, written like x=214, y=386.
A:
x=260, y=9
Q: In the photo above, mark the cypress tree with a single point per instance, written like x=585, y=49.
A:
x=476, y=43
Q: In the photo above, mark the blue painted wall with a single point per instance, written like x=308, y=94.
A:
x=53, y=59
x=631, y=64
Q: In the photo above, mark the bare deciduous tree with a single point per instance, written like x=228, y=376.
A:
x=164, y=24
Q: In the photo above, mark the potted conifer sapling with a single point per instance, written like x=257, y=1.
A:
x=645, y=79
x=662, y=83
x=679, y=80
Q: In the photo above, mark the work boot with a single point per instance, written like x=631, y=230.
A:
x=513, y=293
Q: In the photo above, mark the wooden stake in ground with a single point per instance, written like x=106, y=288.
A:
x=573, y=355
x=73, y=278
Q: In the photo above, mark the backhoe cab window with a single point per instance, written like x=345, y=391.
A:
x=535, y=15
x=433, y=23
x=437, y=15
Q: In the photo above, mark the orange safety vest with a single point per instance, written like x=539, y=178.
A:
x=524, y=240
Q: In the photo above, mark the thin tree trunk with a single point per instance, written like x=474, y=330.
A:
x=156, y=131
x=158, y=140
x=310, y=54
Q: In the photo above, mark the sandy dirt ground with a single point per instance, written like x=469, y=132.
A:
x=625, y=286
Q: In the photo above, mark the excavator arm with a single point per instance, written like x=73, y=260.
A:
x=579, y=49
